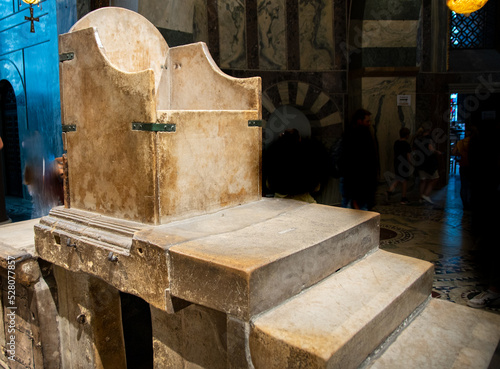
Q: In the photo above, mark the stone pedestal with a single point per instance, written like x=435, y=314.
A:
x=164, y=225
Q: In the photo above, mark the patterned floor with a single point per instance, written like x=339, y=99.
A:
x=439, y=233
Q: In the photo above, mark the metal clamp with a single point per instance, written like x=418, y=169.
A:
x=69, y=127
x=153, y=127
x=255, y=123
x=112, y=257
x=66, y=56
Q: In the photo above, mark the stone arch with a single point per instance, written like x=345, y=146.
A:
x=323, y=112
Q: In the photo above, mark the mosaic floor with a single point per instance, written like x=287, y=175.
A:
x=439, y=233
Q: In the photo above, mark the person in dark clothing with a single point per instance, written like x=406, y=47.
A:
x=484, y=161
x=426, y=160
x=295, y=167
x=461, y=152
x=402, y=167
x=360, y=163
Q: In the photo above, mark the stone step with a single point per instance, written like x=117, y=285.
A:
x=444, y=335
x=341, y=320
x=251, y=258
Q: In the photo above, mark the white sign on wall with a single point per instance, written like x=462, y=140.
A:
x=404, y=100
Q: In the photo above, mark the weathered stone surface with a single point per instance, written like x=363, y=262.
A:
x=214, y=153
x=197, y=83
x=444, y=335
x=127, y=74
x=102, y=102
x=242, y=260
x=340, y=321
x=18, y=236
x=89, y=322
x=104, y=247
x=196, y=337
x=267, y=259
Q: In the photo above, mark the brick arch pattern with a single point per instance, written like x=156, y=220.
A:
x=323, y=111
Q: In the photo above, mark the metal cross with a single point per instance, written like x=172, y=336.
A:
x=32, y=20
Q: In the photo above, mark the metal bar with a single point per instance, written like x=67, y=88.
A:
x=66, y=56
x=69, y=127
x=255, y=123
x=153, y=127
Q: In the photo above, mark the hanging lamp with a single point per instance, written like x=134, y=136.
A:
x=464, y=6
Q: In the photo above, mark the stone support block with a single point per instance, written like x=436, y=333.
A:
x=89, y=321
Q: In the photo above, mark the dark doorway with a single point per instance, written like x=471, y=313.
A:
x=9, y=131
x=137, y=331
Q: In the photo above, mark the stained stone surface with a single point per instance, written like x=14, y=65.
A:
x=266, y=261
x=339, y=321
x=445, y=335
x=127, y=74
x=242, y=260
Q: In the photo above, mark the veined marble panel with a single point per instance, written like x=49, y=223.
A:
x=272, y=34
x=200, y=21
x=390, y=33
x=232, y=33
x=380, y=98
x=169, y=14
x=316, y=35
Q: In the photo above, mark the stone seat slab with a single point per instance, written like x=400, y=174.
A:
x=444, y=335
x=241, y=260
x=341, y=320
x=277, y=248
x=17, y=243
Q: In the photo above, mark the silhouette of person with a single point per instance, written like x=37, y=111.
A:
x=295, y=167
x=360, y=162
x=402, y=167
x=461, y=150
x=426, y=160
x=484, y=158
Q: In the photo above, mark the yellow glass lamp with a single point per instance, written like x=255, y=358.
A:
x=464, y=6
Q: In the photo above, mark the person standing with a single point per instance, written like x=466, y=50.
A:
x=402, y=167
x=360, y=162
x=461, y=150
x=426, y=160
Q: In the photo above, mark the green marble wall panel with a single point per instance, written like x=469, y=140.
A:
x=200, y=21
x=384, y=57
x=388, y=10
x=169, y=14
x=232, y=37
x=389, y=33
x=316, y=35
x=272, y=34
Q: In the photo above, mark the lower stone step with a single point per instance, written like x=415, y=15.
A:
x=444, y=335
x=337, y=323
